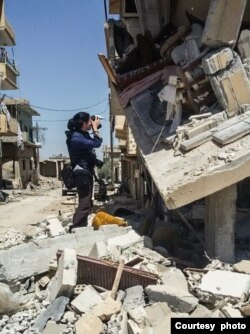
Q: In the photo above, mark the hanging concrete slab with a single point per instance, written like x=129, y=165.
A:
x=229, y=11
x=199, y=173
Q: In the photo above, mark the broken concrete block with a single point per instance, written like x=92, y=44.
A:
x=107, y=308
x=69, y=316
x=231, y=312
x=54, y=328
x=134, y=298
x=243, y=44
x=228, y=79
x=118, y=323
x=225, y=283
x=201, y=312
x=133, y=328
x=99, y=250
x=64, y=281
x=53, y=312
x=54, y=227
x=89, y=324
x=245, y=310
x=173, y=276
x=102, y=250
x=44, y=281
x=156, y=313
x=86, y=300
x=216, y=34
x=125, y=241
x=218, y=314
x=138, y=315
x=242, y=267
x=177, y=299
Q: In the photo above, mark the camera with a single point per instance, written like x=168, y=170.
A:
x=93, y=118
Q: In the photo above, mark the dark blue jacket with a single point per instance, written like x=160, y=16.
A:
x=81, y=149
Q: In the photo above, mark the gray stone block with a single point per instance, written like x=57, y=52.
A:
x=176, y=298
x=86, y=300
x=134, y=298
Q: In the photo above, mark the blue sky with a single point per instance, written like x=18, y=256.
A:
x=57, y=42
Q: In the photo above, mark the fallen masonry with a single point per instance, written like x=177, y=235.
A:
x=67, y=301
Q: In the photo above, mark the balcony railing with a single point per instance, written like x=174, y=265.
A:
x=8, y=73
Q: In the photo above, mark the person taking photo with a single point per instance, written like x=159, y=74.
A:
x=81, y=147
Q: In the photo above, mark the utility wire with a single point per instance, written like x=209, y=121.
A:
x=70, y=110
x=65, y=120
x=64, y=110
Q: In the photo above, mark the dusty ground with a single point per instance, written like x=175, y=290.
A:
x=34, y=208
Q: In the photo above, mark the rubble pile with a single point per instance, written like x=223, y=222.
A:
x=58, y=302
x=51, y=227
x=11, y=237
x=45, y=183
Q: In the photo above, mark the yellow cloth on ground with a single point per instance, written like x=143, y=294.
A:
x=103, y=218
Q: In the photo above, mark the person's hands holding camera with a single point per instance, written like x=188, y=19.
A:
x=95, y=123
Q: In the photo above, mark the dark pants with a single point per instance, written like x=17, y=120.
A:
x=84, y=185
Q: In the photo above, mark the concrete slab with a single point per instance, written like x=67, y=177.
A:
x=54, y=227
x=216, y=34
x=201, y=312
x=177, y=299
x=225, y=283
x=242, y=267
x=64, y=281
x=16, y=262
x=126, y=240
x=175, y=277
x=156, y=313
x=134, y=298
x=197, y=173
x=138, y=315
x=86, y=300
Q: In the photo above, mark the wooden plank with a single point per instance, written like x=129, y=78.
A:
x=232, y=133
x=189, y=144
x=105, y=63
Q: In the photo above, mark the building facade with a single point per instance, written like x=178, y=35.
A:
x=19, y=152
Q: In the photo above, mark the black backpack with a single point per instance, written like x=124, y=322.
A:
x=68, y=176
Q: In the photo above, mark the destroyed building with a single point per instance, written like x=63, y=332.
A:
x=19, y=151
x=180, y=102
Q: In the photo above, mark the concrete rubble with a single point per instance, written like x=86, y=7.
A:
x=58, y=303
x=208, y=76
